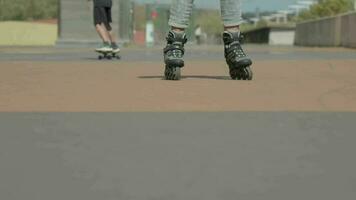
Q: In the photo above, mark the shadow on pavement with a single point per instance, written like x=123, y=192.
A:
x=190, y=77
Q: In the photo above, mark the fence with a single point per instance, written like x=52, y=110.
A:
x=331, y=31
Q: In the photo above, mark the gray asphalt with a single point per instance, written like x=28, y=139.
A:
x=177, y=156
x=257, y=53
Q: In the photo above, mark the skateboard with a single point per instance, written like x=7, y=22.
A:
x=108, y=55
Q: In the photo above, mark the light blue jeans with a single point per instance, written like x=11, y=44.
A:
x=181, y=10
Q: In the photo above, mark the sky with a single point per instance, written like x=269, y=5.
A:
x=248, y=5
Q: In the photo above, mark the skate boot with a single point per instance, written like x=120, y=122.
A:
x=239, y=63
x=173, y=55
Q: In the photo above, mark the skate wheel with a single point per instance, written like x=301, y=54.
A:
x=116, y=56
x=172, y=73
x=234, y=74
x=241, y=74
x=109, y=57
x=248, y=73
x=100, y=57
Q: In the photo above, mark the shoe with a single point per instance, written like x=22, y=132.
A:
x=115, y=48
x=105, y=48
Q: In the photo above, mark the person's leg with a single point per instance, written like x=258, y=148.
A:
x=231, y=13
x=198, y=39
x=239, y=63
x=108, y=25
x=181, y=11
x=100, y=21
x=114, y=44
x=111, y=34
x=103, y=33
x=112, y=37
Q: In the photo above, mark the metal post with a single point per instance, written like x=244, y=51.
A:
x=125, y=20
x=1, y=7
x=59, y=18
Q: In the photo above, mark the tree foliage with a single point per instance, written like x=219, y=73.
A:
x=327, y=8
x=28, y=9
x=210, y=21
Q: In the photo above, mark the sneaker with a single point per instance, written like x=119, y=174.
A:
x=106, y=48
x=115, y=48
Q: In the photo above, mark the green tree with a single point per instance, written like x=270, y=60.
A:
x=327, y=8
x=28, y=9
x=210, y=21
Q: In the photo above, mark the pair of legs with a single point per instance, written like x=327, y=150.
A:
x=102, y=20
x=105, y=35
x=181, y=10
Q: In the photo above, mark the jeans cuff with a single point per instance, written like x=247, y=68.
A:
x=233, y=23
x=174, y=24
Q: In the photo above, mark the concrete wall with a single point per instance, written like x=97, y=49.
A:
x=260, y=36
x=271, y=35
x=281, y=37
x=348, y=30
x=331, y=31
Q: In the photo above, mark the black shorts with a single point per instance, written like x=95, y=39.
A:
x=103, y=15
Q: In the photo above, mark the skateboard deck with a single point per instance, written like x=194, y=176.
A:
x=108, y=55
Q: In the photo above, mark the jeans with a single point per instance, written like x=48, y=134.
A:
x=181, y=11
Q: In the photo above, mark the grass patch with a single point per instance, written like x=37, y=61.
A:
x=27, y=34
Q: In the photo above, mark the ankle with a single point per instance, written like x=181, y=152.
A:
x=178, y=30
x=232, y=29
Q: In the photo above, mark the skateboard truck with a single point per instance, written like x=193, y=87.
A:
x=108, y=55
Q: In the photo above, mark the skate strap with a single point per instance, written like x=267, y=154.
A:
x=174, y=47
x=235, y=43
x=183, y=39
x=234, y=50
x=240, y=39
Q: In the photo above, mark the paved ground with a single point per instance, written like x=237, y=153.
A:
x=72, y=127
x=286, y=79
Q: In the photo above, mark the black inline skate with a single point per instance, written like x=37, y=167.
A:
x=239, y=63
x=173, y=55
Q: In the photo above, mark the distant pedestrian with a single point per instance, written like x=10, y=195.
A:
x=198, y=34
x=102, y=22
